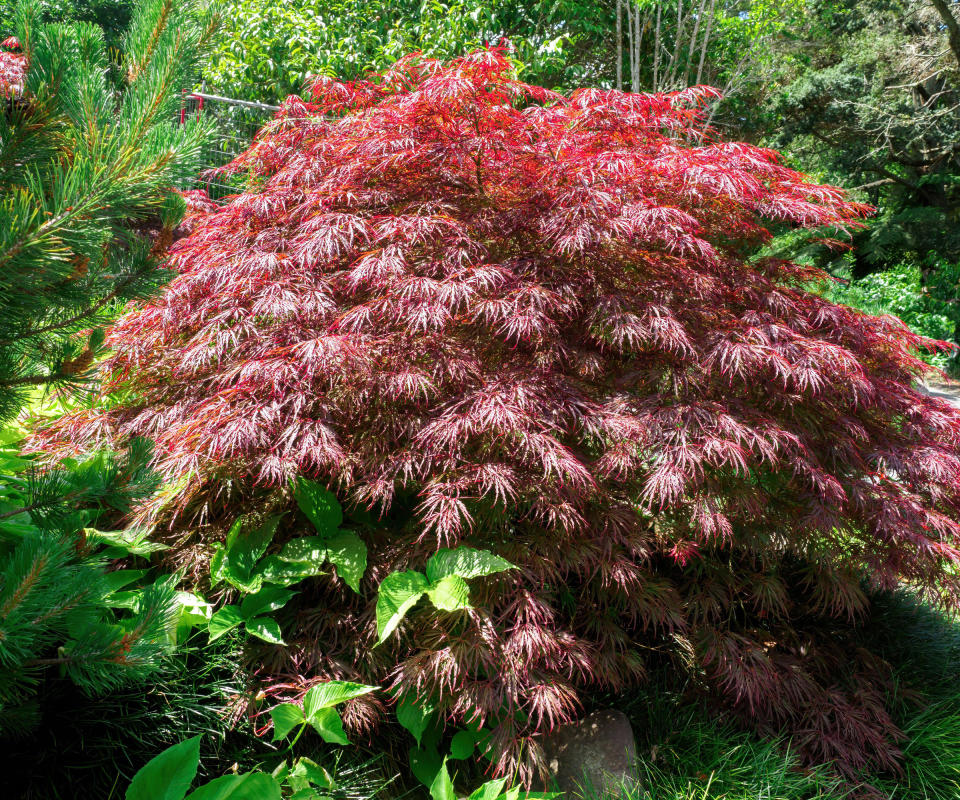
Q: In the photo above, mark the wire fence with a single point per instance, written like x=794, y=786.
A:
x=236, y=122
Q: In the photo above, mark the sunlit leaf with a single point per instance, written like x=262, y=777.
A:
x=398, y=593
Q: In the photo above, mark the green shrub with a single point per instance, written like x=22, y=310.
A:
x=900, y=293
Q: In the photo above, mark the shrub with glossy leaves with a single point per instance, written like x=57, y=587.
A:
x=533, y=324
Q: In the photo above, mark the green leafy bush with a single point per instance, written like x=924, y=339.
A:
x=901, y=293
x=269, y=49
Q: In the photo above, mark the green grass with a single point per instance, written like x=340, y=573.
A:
x=687, y=754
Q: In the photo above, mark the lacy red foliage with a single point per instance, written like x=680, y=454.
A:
x=534, y=323
x=13, y=68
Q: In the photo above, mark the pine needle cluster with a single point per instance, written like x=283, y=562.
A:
x=87, y=206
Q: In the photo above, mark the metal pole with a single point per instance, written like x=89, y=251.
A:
x=245, y=103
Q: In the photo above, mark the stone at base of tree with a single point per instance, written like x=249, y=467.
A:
x=594, y=757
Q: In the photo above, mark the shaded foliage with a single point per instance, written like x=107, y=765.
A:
x=530, y=323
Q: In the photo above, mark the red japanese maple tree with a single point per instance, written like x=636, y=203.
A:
x=538, y=324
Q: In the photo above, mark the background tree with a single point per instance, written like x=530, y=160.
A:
x=88, y=205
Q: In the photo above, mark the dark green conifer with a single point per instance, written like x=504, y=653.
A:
x=87, y=207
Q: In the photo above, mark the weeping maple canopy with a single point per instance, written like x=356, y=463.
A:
x=543, y=317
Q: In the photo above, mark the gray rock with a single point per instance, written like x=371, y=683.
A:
x=594, y=757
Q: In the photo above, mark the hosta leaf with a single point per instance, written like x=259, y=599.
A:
x=399, y=591
x=348, y=553
x=466, y=562
x=319, y=504
x=268, y=599
x=414, y=716
x=249, y=786
x=442, y=786
x=266, y=629
x=328, y=724
x=450, y=594
x=329, y=694
x=226, y=619
x=167, y=776
x=286, y=717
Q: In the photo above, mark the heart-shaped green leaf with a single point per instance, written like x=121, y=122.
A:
x=268, y=599
x=266, y=629
x=398, y=593
x=442, y=786
x=167, y=776
x=414, y=716
x=226, y=619
x=319, y=504
x=329, y=694
x=306, y=548
x=462, y=745
x=328, y=724
x=286, y=717
x=467, y=562
x=249, y=786
x=450, y=594
x=348, y=553
x=274, y=569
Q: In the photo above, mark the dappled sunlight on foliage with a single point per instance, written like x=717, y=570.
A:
x=526, y=322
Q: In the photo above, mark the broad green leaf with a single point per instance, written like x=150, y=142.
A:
x=491, y=790
x=462, y=744
x=249, y=786
x=241, y=579
x=9, y=435
x=217, y=564
x=466, y=562
x=249, y=544
x=414, y=716
x=226, y=619
x=319, y=504
x=450, y=594
x=234, y=532
x=119, y=578
x=307, y=772
x=268, y=599
x=398, y=593
x=286, y=717
x=348, y=553
x=327, y=722
x=132, y=541
x=266, y=629
x=273, y=569
x=442, y=786
x=167, y=776
x=329, y=694
x=425, y=763
x=193, y=607
x=306, y=548
x=12, y=464
x=129, y=600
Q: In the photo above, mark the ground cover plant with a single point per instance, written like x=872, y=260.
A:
x=574, y=426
